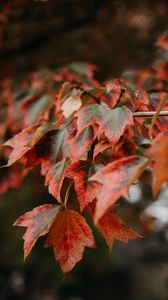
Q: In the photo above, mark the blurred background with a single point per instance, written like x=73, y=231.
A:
x=117, y=36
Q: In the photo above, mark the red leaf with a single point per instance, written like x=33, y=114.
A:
x=54, y=176
x=10, y=178
x=112, y=227
x=69, y=235
x=162, y=41
x=112, y=122
x=79, y=145
x=80, y=172
x=100, y=147
x=116, y=178
x=158, y=152
x=57, y=147
x=38, y=222
x=70, y=99
x=25, y=141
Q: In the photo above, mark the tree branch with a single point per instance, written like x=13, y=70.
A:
x=149, y=113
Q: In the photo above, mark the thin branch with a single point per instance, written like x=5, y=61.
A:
x=98, y=101
x=149, y=113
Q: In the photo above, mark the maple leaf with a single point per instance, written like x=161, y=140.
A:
x=70, y=98
x=100, y=147
x=38, y=222
x=69, y=235
x=159, y=101
x=112, y=122
x=158, y=152
x=80, y=172
x=116, y=178
x=53, y=173
x=55, y=164
x=24, y=141
x=56, y=141
x=33, y=110
x=162, y=41
x=10, y=178
x=112, y=227
x=79, y=145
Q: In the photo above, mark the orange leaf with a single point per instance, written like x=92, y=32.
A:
x=80, y=172
x=112, y=227
x=116, y=178
x=80, y=145
x=25, y=141
x=38, y=222
x=69, y=235
x=158, y=152
x=112, y=122
x=53, y=173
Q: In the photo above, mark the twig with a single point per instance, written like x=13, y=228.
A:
x=98, y=101
x=149, y=113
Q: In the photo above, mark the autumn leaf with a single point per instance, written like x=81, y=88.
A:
x=34, y=110
x=10, y=178
x=70, y=99
x=24, y=141
x=53, y=173
x=69, y=235
x=159, y=102
x=80, y=172
x=160, y=106
x=100, y=147
x=162, y=41
x=112, y=122
x=112, y=227
x=158, y=152
x=56, y=141
x=79, y=145
x=116, y=178
x=20, y=144
x=38, y=222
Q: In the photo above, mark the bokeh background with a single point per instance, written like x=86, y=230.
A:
x=117, y=36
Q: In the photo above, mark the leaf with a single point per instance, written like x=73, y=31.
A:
x=80, y=172
x=69, y=235
x=54, y=166
x=162, y=41
x=25, y=141
x=54, y=176
x=36, y=108
x=158, y=152
x=158, y=102
x=112, y=122
x=79, y=145
x=57, y=147
x=116, y=178
x=20, y=144
x=112, y=227
x=10, y=178
x=161, y=104
x=70, y=98
x=100, y=147
x=38, y=222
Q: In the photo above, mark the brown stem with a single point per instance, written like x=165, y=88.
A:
x=92, y=96
x=149, y=114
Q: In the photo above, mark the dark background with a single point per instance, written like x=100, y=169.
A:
x=117, y=36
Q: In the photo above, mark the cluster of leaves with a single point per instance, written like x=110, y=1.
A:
x=91, y=147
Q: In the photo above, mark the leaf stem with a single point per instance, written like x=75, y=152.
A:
x=67, y=195
x=98, y=101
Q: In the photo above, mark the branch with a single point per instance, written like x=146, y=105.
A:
x=149, y=113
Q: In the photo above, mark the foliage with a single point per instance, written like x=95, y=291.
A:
x=91, y=148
